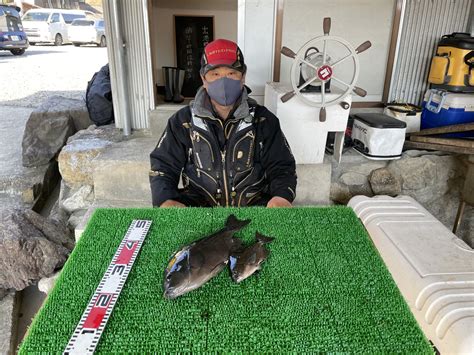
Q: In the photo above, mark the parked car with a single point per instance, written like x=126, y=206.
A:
x=12, y=36
x=87, y=32
x=50, y=25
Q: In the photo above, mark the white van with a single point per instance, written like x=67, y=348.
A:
x=50, y=25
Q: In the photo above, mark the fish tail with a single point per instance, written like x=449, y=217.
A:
x=233, y=224
x=262, y=238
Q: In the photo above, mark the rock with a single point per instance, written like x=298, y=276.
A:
x=413, y=153
x=75, y=219
x=434, y=179
x=351, y=178
x=3, y=293
x=77, y=110
x=46, y=284
x=44, y=137
x=81, y=199
x=75, y=159
x=58, y=215
x=357, y=183
x=31, y=247
x=416, y=173
x=340, y=193
x=8, y=324
x=383, y=182
x=427, y=178
x=49, y=127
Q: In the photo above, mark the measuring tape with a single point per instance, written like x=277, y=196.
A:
x=85, y=338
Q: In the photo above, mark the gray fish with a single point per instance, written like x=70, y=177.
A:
x=198, y=262
x=244, y=263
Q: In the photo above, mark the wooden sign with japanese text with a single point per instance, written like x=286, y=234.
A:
x=192, y=34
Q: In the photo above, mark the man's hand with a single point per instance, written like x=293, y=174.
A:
x=278, y=202
x=172, y=203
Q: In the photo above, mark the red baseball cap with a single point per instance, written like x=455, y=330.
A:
x=222, y=53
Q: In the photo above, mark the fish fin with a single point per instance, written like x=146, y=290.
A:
x=262, y=238
x=233, y=224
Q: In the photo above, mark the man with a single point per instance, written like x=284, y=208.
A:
x=229, y=150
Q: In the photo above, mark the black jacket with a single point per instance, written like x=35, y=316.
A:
x=99, y=98
x=244, y=160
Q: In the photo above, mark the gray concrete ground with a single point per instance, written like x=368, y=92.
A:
x=47, y=70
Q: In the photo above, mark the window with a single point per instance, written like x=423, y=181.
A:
x=36, y=16
x=68, y=18
x=9, y=24
x=9, y=20
x=82, y=23
x=55, y=18
x=101, y=23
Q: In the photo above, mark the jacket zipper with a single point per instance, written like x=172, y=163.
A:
x=243, y=191
x=208, y=193
x=208, y=175
x=248, y=134
x=250, y=150
x=245, y=178
x=224, y=176
x=153, y=173
x=253, y=197
x=198, y=160
x=199, y=136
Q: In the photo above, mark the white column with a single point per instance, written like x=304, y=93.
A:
x=255, y=33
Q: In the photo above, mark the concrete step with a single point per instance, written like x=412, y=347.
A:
x=158, y=118
x=120, y=172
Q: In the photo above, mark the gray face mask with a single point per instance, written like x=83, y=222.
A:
x=224, y=91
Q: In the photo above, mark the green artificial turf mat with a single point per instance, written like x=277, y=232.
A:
x=324, y=288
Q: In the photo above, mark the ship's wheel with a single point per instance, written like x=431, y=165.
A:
x=319, y=72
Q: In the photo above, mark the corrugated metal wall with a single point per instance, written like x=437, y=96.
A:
x=424, y=22
x=136, y=78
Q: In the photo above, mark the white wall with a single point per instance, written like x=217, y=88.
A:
x=354, y=21
x=162, y=27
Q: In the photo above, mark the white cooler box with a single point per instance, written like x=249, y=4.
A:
x=433, y=268
x=378, y=136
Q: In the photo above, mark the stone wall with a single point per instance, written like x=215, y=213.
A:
x=434, y=179
x=75, y=165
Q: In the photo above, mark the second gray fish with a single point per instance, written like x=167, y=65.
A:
x=244, y=263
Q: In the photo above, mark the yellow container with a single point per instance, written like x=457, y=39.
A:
x=452, y=68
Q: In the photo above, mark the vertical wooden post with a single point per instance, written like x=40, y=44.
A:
x=278, y=38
